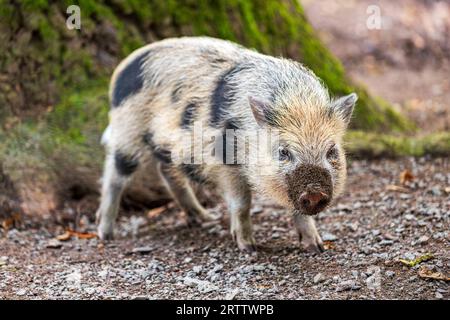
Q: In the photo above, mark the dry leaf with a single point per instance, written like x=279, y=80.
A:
x=71, y=233
x=395, y=188
x=412, y=263
x=7, y=223
x=406, y=176
x=264, y=286
x=426, y=273
x=155, y=212
x=328, y=245
x=65, y=236
x=12, y=221
x=81, y=235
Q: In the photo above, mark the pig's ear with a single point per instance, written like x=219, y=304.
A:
x=345, y=105
x=260, y=110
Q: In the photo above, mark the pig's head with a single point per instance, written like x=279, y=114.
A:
x=305, y=167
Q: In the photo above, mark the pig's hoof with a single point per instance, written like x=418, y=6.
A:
x=105, y=233
x=312, y=244
x=314, y=248
x=247, y=248
x=206, y=216
x=244, y=245
x=195, y=219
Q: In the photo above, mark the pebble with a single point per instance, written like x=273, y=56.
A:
x=53, y=244
x=275, y=235
x=423, y=239
x=197, y=269
x=326, y=236
x=318, y=278
x=232, y=294
x=256, y=210
x=436, y=191
x=202, y=285
x=409, y=256
x=142, y=250
x=390, y=274
x=347, y=285
x=3, y=261
x=21, y=292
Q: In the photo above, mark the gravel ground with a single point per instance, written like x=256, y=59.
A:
x=158, y=256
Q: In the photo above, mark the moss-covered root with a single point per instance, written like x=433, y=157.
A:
x=369, y=145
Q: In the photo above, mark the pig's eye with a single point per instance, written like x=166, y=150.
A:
x=284, y=155
x=332, y=153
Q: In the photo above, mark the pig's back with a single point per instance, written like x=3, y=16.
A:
x=174, y=63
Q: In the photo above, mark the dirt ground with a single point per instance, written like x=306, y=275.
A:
x=377, y=221
x=371, y=228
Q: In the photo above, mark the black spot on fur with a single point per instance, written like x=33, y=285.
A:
x=189, y=115
x=193, y=172
x=230, y=144
x=129, y=81
x=125, y=164
x=160, y=153
x=223, y=94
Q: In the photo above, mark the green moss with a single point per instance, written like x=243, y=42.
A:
x=68, y=136
x=374, y=145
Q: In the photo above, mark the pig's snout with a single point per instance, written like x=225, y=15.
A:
x=313, y=202
x=310, y=189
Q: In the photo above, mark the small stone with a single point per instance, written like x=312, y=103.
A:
x=54, y=244
x=436, y=191
x=318, y=278
x=329, y=237
x=197, y=269
x=256, y=210
x=3, y=261
x=386, y=243
x=390, y=274
x=423, y=239
x=409, y=256
x=217, y=268
x=187, y=260
x=259, y=267
x=21, y=292
x=231, y=295
x=347, y=285
x=439, y=295
x=202, y=286
x=142, y=250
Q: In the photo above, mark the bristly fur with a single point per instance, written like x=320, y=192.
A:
x=167, y=87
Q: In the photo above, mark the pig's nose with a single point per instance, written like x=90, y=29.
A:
x=314, y=202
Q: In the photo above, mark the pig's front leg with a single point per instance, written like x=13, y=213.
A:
x=308, y=234
x=237, y=195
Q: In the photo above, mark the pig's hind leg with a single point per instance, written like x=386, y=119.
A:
x=178, y=186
